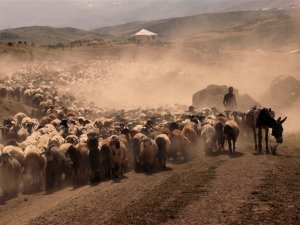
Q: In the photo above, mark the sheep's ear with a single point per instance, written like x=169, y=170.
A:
x=281, y=122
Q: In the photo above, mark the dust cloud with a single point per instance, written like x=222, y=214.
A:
x=133, y=76
x=173, y=76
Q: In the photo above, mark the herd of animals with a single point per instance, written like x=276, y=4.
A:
x=76, y=144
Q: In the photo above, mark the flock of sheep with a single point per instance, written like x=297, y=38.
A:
x=74, y=142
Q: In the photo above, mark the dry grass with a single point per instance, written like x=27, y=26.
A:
x=9, y=108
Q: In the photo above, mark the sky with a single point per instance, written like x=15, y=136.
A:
x=91, y=14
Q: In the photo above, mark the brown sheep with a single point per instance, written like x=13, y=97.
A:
x=55, y=167
x=72, y=139
x=190, y=130
x=118, y=154
x=10, y=174
x=208, y=138
x=22, y=134
x=94, y=157
x=15, y=152
x=231, y=132
x=163, y=144
x=179, y=144
x=148, y=153
x=80, y=162
x=219, y=136
x=34, y=165
x=136, y=149
x=105, y=160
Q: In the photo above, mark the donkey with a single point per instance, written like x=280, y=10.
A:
x=265, y=120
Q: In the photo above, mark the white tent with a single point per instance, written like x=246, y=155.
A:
x=144, y=36
x=144, y=32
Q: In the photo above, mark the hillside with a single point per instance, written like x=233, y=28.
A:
x=192, y=25
x=46, y=35
x=9, y=108
x=280, y=32
x=92, y=14
x=283, y=92
x=242, y=27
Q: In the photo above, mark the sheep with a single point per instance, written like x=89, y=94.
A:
x=72, y=139
x=34, y=165
x=10, y=174
x=136, y=149
x=55, y=167
x=80, y=162
x=231, y=132
x=33, y=139
x=208, y=138
x=47, y=129
x=1, y=148
x=56, y=122
x=148, y=153
x=22, y=134
x=43, y=141
x=56, y=140
x=179, y=144
x=13, y=132
x=19, y=117
x=118, y=154
x=126, y=142
x=3, y=92
x=240, y=119
x=25, y=120
x=45, y=120
x=69, y=173
x=105, y=159
x=94, y=157
x=15, y=152
x=219, y=136
x=163, y=144
x=190, y=130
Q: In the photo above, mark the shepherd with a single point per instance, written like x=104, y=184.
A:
x=229, y=100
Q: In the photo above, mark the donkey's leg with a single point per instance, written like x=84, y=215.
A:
x=229, y=145
x=255, y=138
x=259, y=139
x=233, y=142
x=267, y=139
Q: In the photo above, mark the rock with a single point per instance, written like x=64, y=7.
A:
x=213, y=95
x=283, y=92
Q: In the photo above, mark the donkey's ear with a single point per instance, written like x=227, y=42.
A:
x=281, y=122
x=278, y=120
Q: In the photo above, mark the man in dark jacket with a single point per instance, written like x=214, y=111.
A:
x=229, y=100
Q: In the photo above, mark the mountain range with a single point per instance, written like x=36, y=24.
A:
x=92, y=14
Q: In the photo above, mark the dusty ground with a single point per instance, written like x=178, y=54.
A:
x=244, y=189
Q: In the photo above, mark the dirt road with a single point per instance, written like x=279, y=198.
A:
x=244, y=189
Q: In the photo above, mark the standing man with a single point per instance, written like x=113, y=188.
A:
x=229, y=100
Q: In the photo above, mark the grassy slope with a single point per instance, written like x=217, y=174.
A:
x=278, y=31
x=191, y=25
x=46, y=35
x=9, y=108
